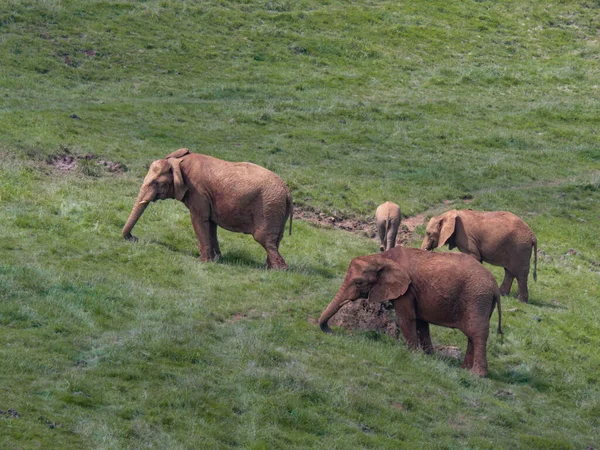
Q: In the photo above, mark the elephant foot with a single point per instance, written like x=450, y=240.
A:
x=130, y=237
x=275, y=261
x=279, y=266
x=427, y=350
x=479, y=371
x=214, y=256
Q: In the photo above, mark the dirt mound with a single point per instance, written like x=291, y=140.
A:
x=365, y=315
x=64, y=163
x=89, y=164
x=309, y=214
x=363, y=227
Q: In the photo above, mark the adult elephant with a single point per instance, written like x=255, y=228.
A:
x=240, y=197
x=499, y=238
x=446, y=289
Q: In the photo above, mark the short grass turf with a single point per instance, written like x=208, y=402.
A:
x=106, y=344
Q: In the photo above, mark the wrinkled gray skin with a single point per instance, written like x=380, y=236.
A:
x=447, y=289
x=240, y=197
x=387, y=217
x=499, y=238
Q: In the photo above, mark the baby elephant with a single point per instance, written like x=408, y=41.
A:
x=499, y=238
x=447, y=289
x=387, y=217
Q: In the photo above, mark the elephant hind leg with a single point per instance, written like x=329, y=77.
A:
x=270, y=242
x=392, y=234
x=468, y=362
x=479, y=355
x=507, y=283
x=382, y=235
x=523, y=290
x=476, y=357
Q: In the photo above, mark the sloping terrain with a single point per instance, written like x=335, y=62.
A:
x=434, y=105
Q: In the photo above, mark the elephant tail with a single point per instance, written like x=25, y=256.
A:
x=534, y=259
x=290, y=210
x=497, y=301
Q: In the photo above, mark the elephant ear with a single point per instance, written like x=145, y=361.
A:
x=178, y=182
x=178, y=153
x=392, y=282
x=447, y=226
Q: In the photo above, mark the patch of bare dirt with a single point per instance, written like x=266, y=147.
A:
x=320, y=219
x=66, y=162
x=449, y=351
x=362, y=227
x=13, y=414
x=113, y=167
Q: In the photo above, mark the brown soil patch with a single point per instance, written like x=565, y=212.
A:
x=362, y=227
x=449, y=351
x=320, y=219
x=66, y=162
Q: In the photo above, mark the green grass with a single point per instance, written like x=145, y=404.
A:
x=107, y=344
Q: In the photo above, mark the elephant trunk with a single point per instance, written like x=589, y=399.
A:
x=427, y=244
x=138, y=209
x=338, y=301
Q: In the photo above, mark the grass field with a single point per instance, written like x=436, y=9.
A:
x=106, y=344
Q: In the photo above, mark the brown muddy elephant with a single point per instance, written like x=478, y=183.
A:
x=499, y=238
x=387, y=217
x=240, y=197
x=447, y=289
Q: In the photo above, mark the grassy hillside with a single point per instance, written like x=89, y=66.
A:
x=108, y=344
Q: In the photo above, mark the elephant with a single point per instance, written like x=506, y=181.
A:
x=387, y=217
x=447, y=289
x=499, y=238
x=240, y=197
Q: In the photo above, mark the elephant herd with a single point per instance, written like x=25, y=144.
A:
x=449, y=289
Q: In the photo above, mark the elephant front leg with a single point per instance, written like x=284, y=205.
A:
x=507, y=283
x=214, y=242
x=203, y=233
x=424, y=336
x=405, y=313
